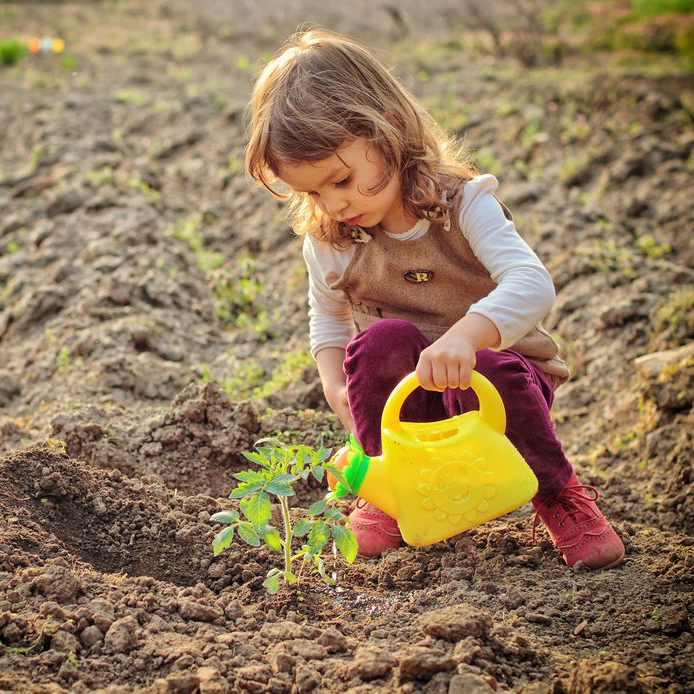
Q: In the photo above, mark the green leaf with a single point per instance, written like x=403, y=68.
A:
x=272, y=583
x=302, y=456
x=284, y=479
x=250, y=476
x=322, y=455
x=346, y=542
x=317, y=507
x=253, y=457
x=223, y=539
x=337, y=474
x=257, y=509
x=279, y=489
x=248, y=534
x=318, y=536
x=302, y=527
x=320, y=566
x=225, y=517
x=289, y=577
x=270, y=458
x=267, y=453
x=245, y=489
x=272, y=538
x=333, y=514
x=318, y=473
x=274, y=443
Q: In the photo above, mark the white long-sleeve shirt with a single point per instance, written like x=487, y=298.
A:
x=523, y=296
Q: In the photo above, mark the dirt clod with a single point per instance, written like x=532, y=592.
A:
x=455, y=623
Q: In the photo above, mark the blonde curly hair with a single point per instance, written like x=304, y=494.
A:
x=322, y=90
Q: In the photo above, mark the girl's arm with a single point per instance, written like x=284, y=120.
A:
x=524, y=294
x=330, y=323
x=330, y=316
x=329, y=361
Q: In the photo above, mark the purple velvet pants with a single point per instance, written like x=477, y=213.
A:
x=380, y=356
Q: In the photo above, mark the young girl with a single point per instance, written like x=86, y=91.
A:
x=408, y=248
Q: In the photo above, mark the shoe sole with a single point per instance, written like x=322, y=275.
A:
x=580, y=564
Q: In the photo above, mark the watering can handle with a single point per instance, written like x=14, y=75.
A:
x=491, y=405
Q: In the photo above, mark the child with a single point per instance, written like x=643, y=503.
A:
x=405, y=243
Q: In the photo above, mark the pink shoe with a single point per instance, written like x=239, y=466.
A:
x=375, y=531
x=578, y=528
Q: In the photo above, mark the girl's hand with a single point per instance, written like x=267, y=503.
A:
x=337, y=399
x=447, y=363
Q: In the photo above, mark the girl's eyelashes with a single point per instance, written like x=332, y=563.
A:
x=345, y=181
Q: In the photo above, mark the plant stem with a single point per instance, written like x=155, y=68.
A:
x=287, y=534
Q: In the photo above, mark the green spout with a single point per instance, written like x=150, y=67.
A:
x=354, y=472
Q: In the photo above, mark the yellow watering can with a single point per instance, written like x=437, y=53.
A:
x=438, y=479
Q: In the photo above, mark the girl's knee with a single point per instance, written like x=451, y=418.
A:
x=518, y=380
x=508, y=371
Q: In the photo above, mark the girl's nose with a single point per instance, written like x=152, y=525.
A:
x=335, y=206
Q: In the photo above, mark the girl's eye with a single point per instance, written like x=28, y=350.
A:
x=345, y=181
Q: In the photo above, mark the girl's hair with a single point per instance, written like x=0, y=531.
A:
x=322, y=90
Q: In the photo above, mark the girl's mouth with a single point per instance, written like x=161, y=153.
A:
x=353, y=220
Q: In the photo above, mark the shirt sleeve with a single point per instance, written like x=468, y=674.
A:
x=525, y=292
x=330, y=315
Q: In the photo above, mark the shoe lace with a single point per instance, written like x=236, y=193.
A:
x=570, y=503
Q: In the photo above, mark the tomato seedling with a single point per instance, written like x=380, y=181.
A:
x=281, y=467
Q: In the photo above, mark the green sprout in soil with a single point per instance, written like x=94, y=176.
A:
x=65, y=362
x=47, y=629
x=290, y=370
x=252, y=380
x=672, y=320
x=143, y=187
x=236, y=292
x=281, y=466
x=651, y=248
x=10, y=247
x=188, y=231
x=56, y=445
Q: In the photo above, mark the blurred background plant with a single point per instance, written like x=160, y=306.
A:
x=538, y=33
x=12, y=51
x=646, y=25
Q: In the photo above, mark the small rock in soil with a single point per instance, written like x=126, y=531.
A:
x=454, y=623
x=123, y=635
x=371, y=663
x=418, y=663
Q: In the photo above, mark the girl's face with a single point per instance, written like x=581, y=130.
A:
x=340, y=185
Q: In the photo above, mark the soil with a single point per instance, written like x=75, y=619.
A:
x=129, y=388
